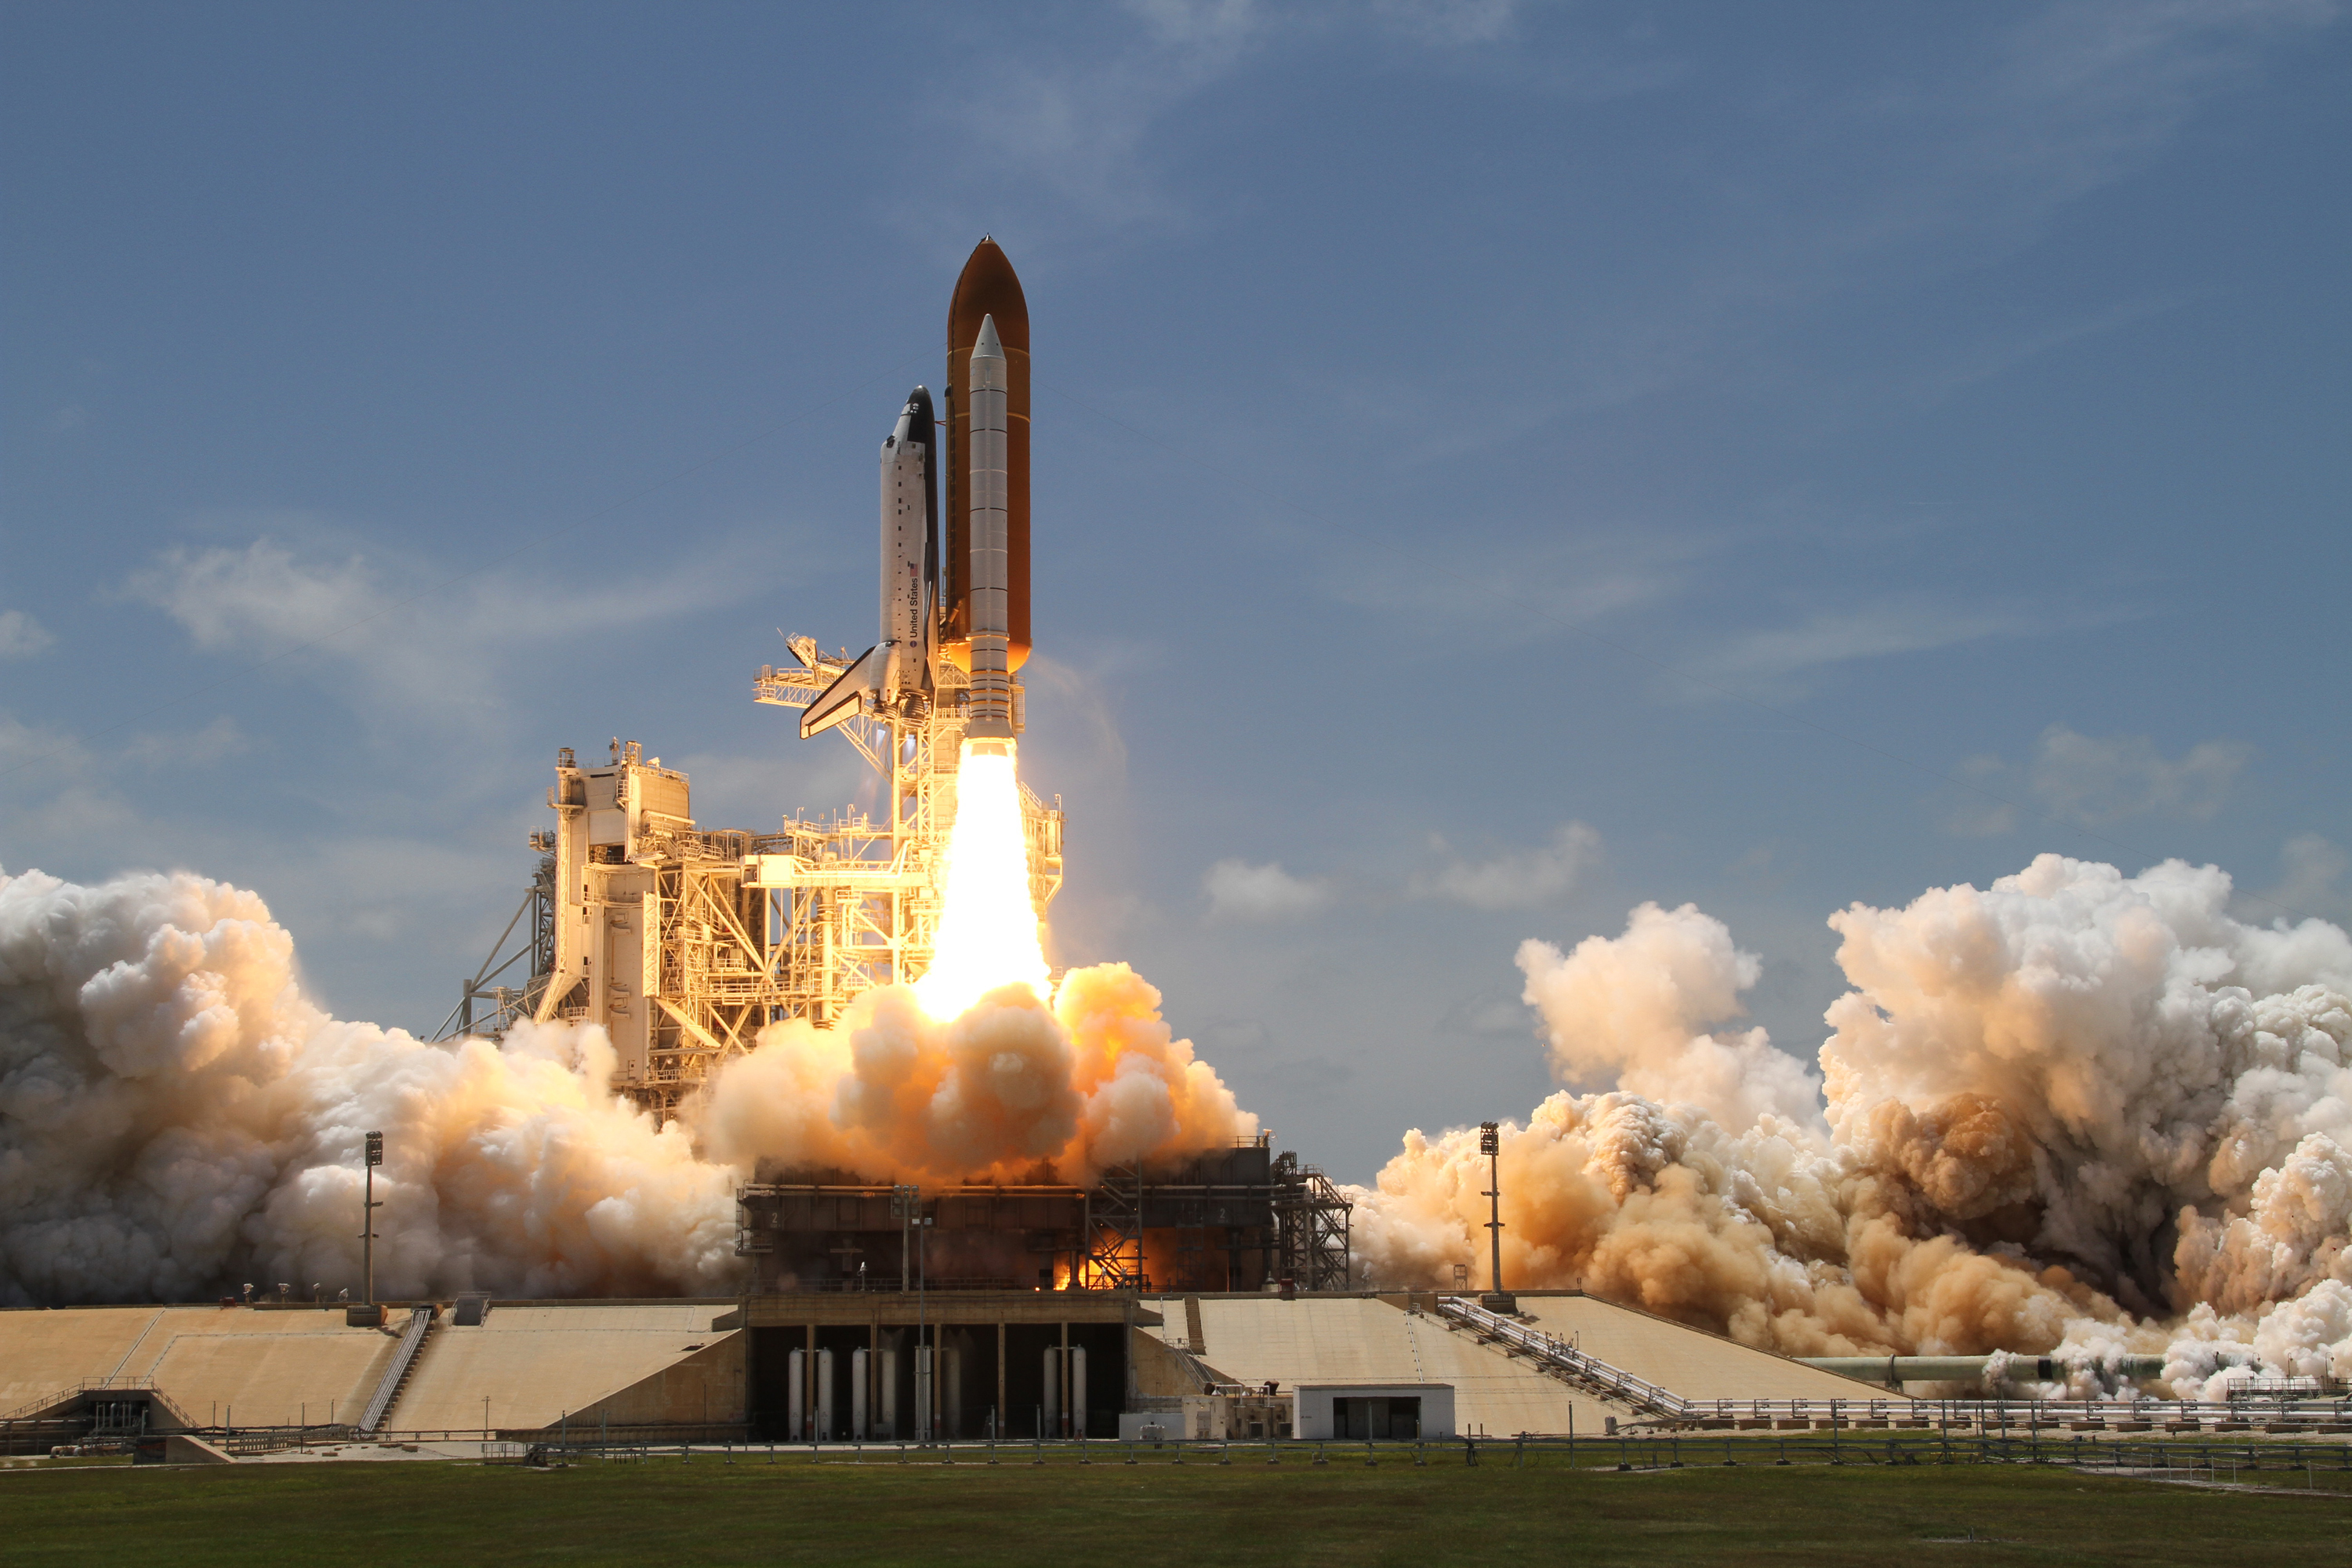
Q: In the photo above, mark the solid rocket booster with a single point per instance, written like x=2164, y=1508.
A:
x=989, y=640
x=900, y=664
x=987, y=290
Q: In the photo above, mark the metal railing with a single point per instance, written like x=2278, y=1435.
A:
x=2277, y=1415
x=139, y=1384
x=1565, y=1358
x=420, y=1322
x=2218, y=1462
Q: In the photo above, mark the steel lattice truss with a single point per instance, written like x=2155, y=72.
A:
x=730, y=930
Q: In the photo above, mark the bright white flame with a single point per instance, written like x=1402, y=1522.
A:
x=988, y=932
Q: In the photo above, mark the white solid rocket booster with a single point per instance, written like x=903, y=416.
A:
x=992, y=674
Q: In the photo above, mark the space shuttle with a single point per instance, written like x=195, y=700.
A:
x=898, y=667
x=962, y=598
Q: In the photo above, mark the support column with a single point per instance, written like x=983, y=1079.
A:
x=1127, y=1350
x=1004, y=1412
x=1064, y=1422
x=808, y=1389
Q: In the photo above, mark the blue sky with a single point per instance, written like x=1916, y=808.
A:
x=1496, y=464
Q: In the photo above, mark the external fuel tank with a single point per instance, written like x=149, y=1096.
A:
x=988, y=288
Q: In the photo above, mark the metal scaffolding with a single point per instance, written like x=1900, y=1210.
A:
x=1233, y=1219
x=1311, y=1220
x=682, y=943
x=859, y=898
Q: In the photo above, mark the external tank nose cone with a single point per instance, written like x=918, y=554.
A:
x=988, y=287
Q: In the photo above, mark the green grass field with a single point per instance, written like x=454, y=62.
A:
x=707, y=1512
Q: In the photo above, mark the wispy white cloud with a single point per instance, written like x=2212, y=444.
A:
x=1513, y=592
x=1984, y=804
x=1449, y=23
x=1517, y=879
x=2108, y=778
x=2095, y=781
x=1240, y=891
x=22, y=636
x=58, y=800
x=1981, y=356
x=2067, y=100
x=449, y=657
x=1954, y=161
x=1768, y=658
x=2312, y=882
x=216, y=742
x=1070, y=115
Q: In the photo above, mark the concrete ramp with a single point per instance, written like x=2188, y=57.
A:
x=262, y=1379
x=46, y=1356
x=1363, y=1339
x=1689, y=1362
x=260, y=1367
x=180, y=1449
x=538, y=1365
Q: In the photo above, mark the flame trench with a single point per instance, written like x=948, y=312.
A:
x=988, y=929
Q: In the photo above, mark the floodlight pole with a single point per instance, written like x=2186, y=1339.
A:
x=922, y=1280
x=1490, y=1143
x=367, y=1213
x=908, y=1202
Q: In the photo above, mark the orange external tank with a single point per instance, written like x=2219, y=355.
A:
x=987, y=289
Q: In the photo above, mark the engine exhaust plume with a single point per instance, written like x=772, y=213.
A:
x=988, y=929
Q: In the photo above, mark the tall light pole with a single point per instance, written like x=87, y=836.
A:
x=367, y=1215
x=1490, y=1143
x=925, y=1356
x=922, y=1268
x=906, y=1203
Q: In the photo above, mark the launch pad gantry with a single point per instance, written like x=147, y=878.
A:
x=682, y=942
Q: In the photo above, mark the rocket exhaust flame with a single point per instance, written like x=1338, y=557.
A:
x=988, y=929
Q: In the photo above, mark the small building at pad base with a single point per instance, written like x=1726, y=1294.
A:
x=1373, y=1412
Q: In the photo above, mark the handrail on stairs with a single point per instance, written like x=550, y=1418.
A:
x=420, y=1319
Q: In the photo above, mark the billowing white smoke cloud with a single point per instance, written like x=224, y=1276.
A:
x=2075, y=1110
x=1007, y=1089
x=177, y=1118
x=1632, y=1012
